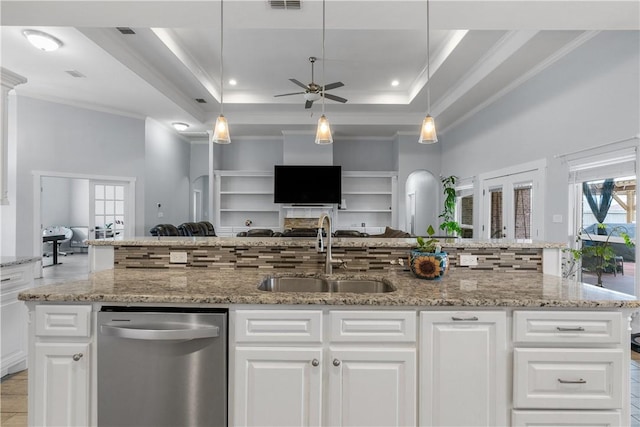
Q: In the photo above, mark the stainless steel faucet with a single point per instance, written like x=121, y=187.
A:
x=328, y=265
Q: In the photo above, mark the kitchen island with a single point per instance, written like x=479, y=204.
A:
x=478, y=347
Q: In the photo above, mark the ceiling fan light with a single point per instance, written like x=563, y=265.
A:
x=428, y=131
x=42, y=41
x=323, y=134
x=311, y=96
x=221, y=131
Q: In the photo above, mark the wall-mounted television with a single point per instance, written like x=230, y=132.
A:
x=307, y=185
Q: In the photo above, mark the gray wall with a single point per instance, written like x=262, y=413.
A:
x=586, y=99
x=348, y=154
x=65, y=202
x=61, y=138
x=251, y=154
x=167, y=159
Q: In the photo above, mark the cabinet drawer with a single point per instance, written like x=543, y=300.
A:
x=568, y=378
x=63, y=320
x=566, y=418
x=591, y=327
x=379, y=326
x=12, y=278
x=297, y=326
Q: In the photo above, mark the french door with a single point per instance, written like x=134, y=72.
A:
x=512, y=206
x=108, y=209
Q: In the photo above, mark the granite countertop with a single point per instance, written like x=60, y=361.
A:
x=8, y=261
x=302, y=241
x=457, y=288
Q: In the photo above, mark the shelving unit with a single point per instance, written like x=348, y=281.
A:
x=370, y=200
x=242, y=196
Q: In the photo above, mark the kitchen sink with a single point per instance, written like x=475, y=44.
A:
x=314, y=284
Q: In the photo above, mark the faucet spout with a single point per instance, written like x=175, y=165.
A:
x=328, y=266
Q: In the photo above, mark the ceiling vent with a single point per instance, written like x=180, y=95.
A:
x=200, y=101
x=125, y=30
x=284, y=4
x=75, y=73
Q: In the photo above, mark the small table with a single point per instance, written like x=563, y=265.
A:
x=55, y=238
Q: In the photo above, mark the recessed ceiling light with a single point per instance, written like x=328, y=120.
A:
x=395, y=83
x=42, y=41
x=233, y=82
x=180, y=126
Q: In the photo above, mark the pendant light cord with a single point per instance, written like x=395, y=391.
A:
x=221, y=57
x=428, y=65
x=323, y=59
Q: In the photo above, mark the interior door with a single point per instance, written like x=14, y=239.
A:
x=108, y=206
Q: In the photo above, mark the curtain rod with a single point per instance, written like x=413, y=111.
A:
x=557, y=156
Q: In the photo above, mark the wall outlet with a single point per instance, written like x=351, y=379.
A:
x=160, y=214
x=467, y=260
x=178, y=257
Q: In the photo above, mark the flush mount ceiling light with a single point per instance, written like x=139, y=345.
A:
x=233, y=82
x=180, y=127
x=323, y=133
x=395, y=83
x=428, y=131
x=221, y=130
x=42, y=41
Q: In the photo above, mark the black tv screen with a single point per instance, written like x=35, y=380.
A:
x=307, y=185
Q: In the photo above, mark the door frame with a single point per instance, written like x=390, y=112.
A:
x=537, y=169
x=37, y=201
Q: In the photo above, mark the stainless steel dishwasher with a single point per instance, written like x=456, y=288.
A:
x=162, y=367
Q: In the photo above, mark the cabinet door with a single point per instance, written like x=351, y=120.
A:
x=463, y=369
x=277, y=386
x=60, y=384
x=14, y=332
x=372, y=387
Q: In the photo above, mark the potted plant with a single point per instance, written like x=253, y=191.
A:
x=427, y=260
x=449, y=225
x=598, y=256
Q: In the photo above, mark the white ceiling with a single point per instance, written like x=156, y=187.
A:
x=480, y=50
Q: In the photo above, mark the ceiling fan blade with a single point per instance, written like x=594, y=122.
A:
x=334, y=98
x=287, y=94
x=308, y=104
x=302, y=85
x=333, y=85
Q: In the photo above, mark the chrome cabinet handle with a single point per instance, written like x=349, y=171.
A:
x=77, y=356
x=336, y=362
x=578, y=329
x=580, y=381
x=315, y=362
x=464, y=319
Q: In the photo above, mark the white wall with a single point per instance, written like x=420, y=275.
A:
x=55, y=201
x=586, y=99
x=251, y=154
x=413, y=156
x=299, y=148
x=61, y=138
x=79, y=203
x=167, y=158
x=379, y=154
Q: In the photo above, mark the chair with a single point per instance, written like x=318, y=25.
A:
x=57, y=230
x=256, y=232
x=165, y=230
x=79, y=239
x=349, y=233
x=392, y=233
x=208, y=228
x=191, y=229
x=301, y=232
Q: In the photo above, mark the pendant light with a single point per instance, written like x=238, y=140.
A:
x=323, y=134
x=428, y=130
x=221, y=130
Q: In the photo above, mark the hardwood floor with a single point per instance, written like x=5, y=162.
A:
x=13, y=398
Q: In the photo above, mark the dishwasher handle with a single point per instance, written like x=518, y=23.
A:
x=197, y=332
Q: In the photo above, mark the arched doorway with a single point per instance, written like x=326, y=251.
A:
x=422, y=198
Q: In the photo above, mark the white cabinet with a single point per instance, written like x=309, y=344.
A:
x=61, y=380
x=278, y=386
x=242, y=196
x=60, y=366
x=463, y=368
x=281, y=378
x=370, y=201
x=14, y=317
x=372, y=387
x=567, y=361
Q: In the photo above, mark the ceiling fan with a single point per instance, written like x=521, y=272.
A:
x=312, y=91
